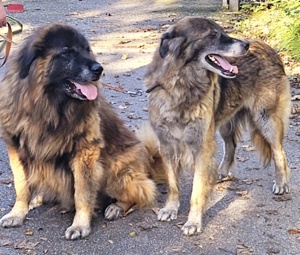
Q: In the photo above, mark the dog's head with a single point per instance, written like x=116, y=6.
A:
x=64, y=59
x=204, y=41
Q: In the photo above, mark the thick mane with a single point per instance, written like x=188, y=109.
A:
x=47, y=114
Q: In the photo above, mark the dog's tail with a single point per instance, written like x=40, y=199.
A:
x=260, y=143
x=149, y=139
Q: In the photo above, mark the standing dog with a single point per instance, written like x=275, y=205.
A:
x=201, y=80
x=64, y=140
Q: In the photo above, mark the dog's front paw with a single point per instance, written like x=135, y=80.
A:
x=165, y=214
x=75, y=232
x=280, y=189
x=113, y=212
x=191, y=228
x=12, y=220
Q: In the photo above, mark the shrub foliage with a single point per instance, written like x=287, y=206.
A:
x=277, y=21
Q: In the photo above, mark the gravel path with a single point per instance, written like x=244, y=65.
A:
x=243, y=216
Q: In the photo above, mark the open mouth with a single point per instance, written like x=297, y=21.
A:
x=81, y=91
x=222, y=65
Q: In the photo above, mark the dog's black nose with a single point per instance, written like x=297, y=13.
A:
x=245, y=45
x=96, y=68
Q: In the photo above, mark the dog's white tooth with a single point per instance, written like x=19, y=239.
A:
x=231, y=69
x=212, y=58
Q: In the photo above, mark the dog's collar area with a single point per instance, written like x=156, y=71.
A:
x=153, y=88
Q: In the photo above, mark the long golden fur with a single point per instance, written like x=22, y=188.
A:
x=64, y=140
x=194, y=91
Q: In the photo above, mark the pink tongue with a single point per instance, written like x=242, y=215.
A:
x=89, y=90
x=226, y=65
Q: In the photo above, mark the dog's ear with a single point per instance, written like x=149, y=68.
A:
x=164, y=43
x=30, y=52
x=170, y=43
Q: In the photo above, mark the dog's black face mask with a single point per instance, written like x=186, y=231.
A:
x=78, y=71
x=204, y=41
x=67, y=57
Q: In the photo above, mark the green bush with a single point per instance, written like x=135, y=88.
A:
x=276, y=21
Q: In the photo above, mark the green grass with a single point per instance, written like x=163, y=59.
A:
x=277, y=22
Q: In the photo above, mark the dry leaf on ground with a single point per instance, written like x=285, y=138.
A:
x=294, y=231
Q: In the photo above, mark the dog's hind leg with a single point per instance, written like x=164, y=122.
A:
x=231, y=133
x=130, y=188
x=20, y=209
x=129, y=182
x=267, y=136
x=227, y=132
x=36, y=201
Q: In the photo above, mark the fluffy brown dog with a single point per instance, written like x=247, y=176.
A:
x=194, y=91
x=64, y=140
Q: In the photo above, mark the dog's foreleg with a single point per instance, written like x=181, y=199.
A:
x=170, y=210
x=202, y=183
x=20, y=209
x=87, y=173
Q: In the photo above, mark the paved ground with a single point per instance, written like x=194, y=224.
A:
x=243, y=216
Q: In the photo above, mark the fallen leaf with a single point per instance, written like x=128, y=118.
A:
x=243, y=249
x=124, y=56
x=294, y=231
x=132, y=234
x=242, y=193
x=248, y=148
x=155, y=210
x=220, y=188
x=295, y=109
x=25, y=244
x=282, y=198
x=133, y=117
x=7, y=181
x=250, y=181
x=29, y=233
x=273, y=250
x=147, y=226
x=272, y=212
x=124, y=42
x=179, y=224
x=129, y=211
x=6, y=243
x=241, y=159
x=296, y=97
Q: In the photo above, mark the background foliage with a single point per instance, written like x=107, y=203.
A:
x=275, y=21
